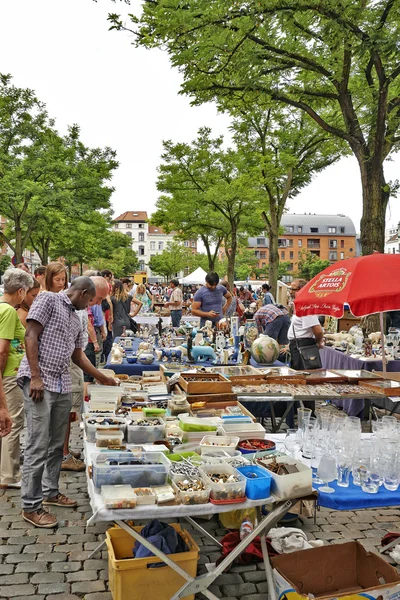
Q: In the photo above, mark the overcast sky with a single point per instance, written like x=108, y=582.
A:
x=128, y=99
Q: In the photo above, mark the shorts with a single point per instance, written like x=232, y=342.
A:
x=77, y=388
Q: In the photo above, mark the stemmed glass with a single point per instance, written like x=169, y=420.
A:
x=327, y=472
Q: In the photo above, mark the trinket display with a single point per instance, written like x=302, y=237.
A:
x=192, y=491
x=252, y=446
x=145, y=495
x=118, y=496
x=145, y=469
x=105, y=439
x=227, y=485
x=145, y=431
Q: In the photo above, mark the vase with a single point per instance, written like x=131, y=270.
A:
x=265, y=349
x=250, y=333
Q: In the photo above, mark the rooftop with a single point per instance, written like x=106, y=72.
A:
x=131, y=216
x=318, y=224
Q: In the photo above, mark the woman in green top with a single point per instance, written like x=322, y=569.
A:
x=12, y=334
x=144, y=296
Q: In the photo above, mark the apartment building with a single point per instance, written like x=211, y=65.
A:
x=330, y=237
x=392, y=240
x=147, y=240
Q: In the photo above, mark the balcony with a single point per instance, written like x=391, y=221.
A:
x=313, y=244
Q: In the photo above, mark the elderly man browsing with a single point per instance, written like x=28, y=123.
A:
x=53, y=337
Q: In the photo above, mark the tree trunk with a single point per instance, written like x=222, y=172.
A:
x=273, y=258
x=231, y=254
x=375, y=200
x=18, y=243
x=45, y=257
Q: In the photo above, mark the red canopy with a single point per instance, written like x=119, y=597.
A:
x=369, y=284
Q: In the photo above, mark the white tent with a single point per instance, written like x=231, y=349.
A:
x=198, y=276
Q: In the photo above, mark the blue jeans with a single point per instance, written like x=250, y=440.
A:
x=176, y=316
x=278, y=329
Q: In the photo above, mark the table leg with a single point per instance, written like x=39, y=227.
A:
x=267, y=564
x=202, y=583
x=202, y=531
x=283, y=417
x=273, y=417
x=97, y=549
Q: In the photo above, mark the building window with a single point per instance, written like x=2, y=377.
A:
x=299, y=228
x=129, y=234
x=129, y=225
x=260, y=241
x=193, y=243
x=342, y=256
x=152, y=245
x=141, y=225
x=263, y=264
x=282, y=243
x=332, y=243
x=342, y=229
x=186, y=244
x=291, y=255
x=331, y=229
x=289, y=228
x=342, y=243
x=299, y=243
x=313, y=229
x=141, y=265
x=289, y=243
x=141, y=236
x=141, y=250
x=313, y=243
x=263, y=254
x=160, y=245
x=283, y=255
x=257, y=253
x=116, y=226
x=290, y=267
x=332, y=255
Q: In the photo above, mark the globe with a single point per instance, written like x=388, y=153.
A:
x=265, y=349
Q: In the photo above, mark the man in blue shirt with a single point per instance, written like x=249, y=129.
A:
x=207, y=301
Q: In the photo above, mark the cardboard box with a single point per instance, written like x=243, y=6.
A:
x=345, y=571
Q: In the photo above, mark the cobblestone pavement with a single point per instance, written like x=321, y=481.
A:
x=53, y=564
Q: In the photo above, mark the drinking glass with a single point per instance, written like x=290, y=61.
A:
x=344, y=463
x=389, y=422
x=371, y=483
x=391, y=474
x=327, y=472
x=303, y=419
x=291, y=442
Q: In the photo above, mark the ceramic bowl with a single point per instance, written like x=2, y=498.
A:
x=131, y=359
x=146, y=359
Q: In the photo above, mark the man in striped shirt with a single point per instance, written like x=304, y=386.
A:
x=273, y=320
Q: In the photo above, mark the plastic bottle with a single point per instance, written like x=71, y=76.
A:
x=246, y=528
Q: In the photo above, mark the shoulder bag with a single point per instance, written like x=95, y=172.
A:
x=310, y=356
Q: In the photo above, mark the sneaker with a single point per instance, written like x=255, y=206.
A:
x=60, y=500
x=10, y=486
x=76, y=454
x=72, y=464
x=40, y=518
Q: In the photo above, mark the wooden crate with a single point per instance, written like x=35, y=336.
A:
x=216, y=398
x=205, y=383
x=223, y=405
x=385, y=386
x=300, y=380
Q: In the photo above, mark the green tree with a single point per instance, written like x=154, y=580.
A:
x=45, y=179
x=123, y=262
x=216, y=180
x=335, y=60
x=169, y=262
x=286, y=149
x=5, y=263
x=310, y=265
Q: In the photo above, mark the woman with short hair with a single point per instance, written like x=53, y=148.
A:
x=23, y=308
x=12, y=334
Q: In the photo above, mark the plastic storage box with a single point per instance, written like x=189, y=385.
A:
x=118, y=496
x=196, y=425
x=258, y=481
x=294, y=485
x=224, y=492
x=125, y=468
x=107, y=438
x=243, y=431
x=92, y=428
x=218, y=442
x=191, y=498
x=132, y=578
x=146, y=434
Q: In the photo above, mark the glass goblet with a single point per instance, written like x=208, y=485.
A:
x=327, y=472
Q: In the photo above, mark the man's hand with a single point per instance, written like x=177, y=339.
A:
x=96, y=347
x=37, y=389
x=5, y=422
x=104, y=380
x=212, y=314
x=103, y=334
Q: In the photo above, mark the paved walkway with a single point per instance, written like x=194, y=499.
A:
x=53, y=565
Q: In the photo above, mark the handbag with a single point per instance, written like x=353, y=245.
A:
x=132, y=323
x=310, y=356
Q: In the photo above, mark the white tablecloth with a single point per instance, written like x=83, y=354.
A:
x=100, y=513
x=152, y=320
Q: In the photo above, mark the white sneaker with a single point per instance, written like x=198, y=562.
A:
x=10, y=486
